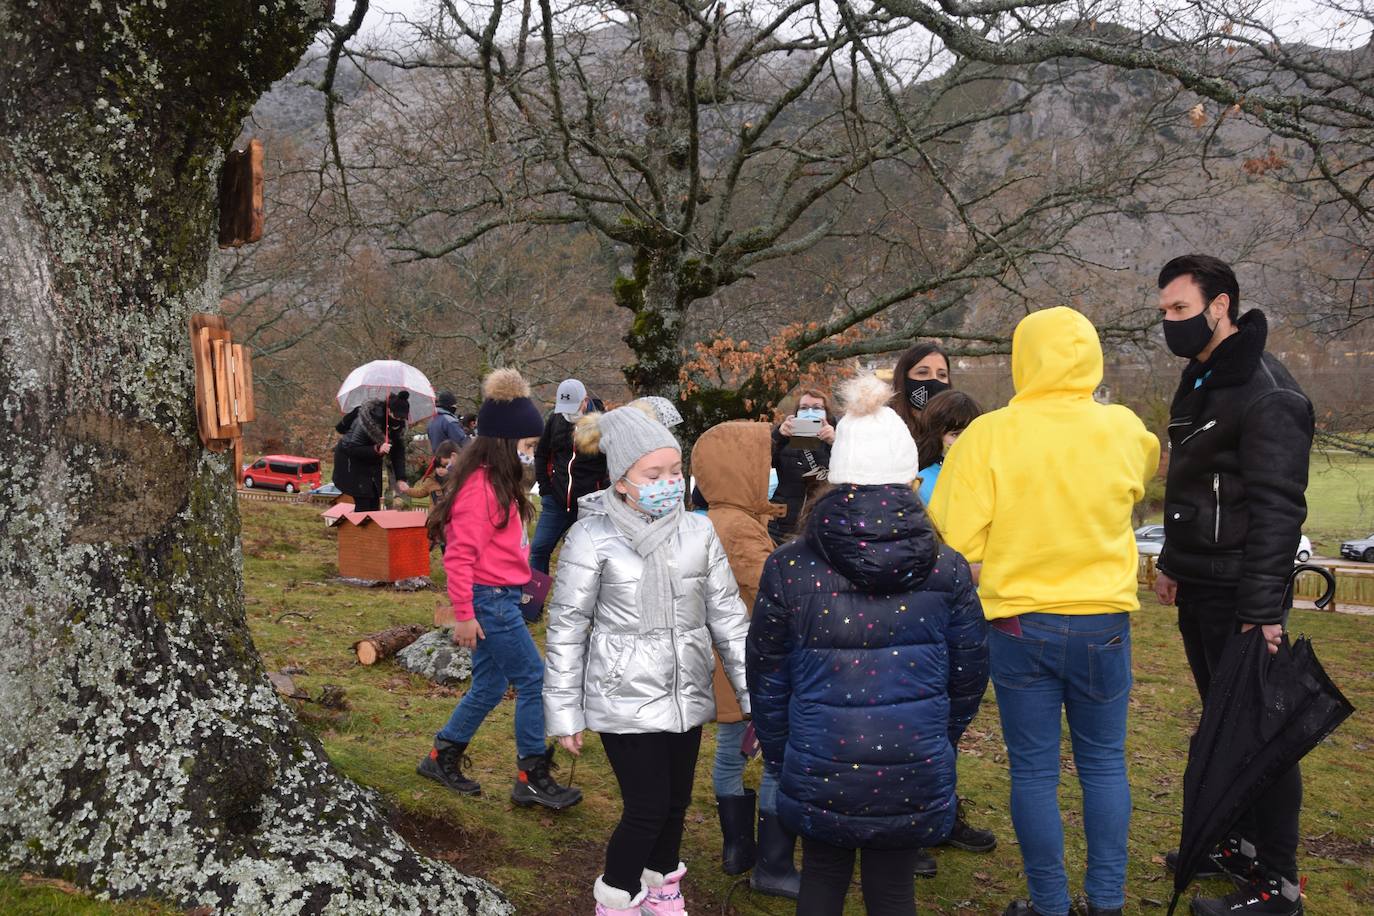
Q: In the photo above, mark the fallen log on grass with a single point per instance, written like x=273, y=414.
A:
x=376, y=646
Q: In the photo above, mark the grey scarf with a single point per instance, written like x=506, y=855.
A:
x=650, y=539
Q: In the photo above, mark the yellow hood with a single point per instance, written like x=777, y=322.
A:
x=1055, y=352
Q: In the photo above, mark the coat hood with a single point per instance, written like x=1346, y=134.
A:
x=1055, y=353
x=731, y=463
x=877, y=537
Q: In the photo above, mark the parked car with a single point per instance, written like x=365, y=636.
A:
x=1149, y=540
x=282, y=472
x=1359, y=549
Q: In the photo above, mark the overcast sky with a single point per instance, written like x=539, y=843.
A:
x=1307, y=20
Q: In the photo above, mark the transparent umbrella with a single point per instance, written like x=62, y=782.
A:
x=383, y=377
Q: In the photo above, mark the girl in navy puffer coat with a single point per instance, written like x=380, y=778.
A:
x=867, y=659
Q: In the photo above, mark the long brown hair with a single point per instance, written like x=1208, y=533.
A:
x=914, y=354
x=947, y=412
x=501, y=460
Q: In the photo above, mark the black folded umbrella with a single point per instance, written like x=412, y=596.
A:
x=1262, y=715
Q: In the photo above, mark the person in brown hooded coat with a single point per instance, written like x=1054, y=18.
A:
x=731, y=463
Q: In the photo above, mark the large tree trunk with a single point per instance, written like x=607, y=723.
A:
x=660, y=293
x=142, y=750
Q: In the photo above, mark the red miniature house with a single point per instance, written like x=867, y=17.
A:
x=384, y=546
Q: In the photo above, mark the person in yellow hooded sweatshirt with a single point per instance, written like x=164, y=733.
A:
x=1040, y=493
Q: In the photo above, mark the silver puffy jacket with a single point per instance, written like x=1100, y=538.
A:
x=603, y=670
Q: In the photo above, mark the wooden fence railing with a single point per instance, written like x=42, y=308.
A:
x=1354, y=584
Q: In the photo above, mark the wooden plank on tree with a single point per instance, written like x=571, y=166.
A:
x=249, y=401
x=241, y=196
x=223, y=413
x=243, y=362
x=201, y=327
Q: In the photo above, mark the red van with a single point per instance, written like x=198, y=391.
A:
x=282, y=472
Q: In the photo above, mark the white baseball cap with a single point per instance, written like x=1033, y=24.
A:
x=571, y=394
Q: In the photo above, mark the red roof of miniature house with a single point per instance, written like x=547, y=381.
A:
x=386, y=518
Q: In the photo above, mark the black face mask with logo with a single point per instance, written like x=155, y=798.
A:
x=920, y=391
x=1189, y=337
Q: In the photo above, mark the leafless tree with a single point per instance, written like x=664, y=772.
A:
x=712, y=147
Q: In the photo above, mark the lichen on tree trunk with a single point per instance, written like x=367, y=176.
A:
x=142, y=751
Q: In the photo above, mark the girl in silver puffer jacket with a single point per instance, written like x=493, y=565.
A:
x=643, y=592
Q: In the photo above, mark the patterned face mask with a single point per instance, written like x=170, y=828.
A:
x=659, y=497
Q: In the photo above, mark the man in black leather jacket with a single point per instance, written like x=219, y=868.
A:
x=1240, y=434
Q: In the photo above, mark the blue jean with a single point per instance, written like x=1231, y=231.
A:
x=554, y=521
x=1081, y=664
x=728, y=771
x=506, y=655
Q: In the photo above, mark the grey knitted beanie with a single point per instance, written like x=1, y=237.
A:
x=623, y=435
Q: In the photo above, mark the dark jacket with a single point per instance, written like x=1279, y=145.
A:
x=445, y=427
x=357, y=464
x=1240, y=437
x=562, y=472
x=867, y=658
x=800, y=474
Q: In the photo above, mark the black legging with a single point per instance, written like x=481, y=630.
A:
x=887, y=876
x=655, y=773
x=1207, y=619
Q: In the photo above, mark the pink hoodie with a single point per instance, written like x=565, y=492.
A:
x=477, y=551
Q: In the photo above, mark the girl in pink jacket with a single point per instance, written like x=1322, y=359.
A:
x=481, y=518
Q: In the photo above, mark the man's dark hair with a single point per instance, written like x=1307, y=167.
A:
x=1212, y=275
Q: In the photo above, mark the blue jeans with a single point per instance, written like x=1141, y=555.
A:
x=728, y=771
x=506, y=655
x=554, y=521
x=1081, y=664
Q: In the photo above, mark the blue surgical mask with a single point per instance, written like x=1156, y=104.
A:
x=811, y=413
x=659, y=497
x=772, y=482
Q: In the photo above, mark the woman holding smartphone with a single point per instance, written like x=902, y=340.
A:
x=801, y=456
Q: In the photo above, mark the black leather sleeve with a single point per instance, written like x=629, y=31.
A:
x=1275, y=448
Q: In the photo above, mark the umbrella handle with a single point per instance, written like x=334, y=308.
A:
x=1325, y=600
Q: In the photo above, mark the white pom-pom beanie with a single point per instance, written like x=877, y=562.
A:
x=872, y=444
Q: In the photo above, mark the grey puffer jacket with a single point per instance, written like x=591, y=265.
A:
x=604, y=671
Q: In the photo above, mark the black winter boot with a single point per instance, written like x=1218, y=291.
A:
x=1020, y=908
x=1233, y=858
x=445, y=765
x=534, y=786
x=1082, y=907
x=968, y=838
x=737, y=831
x=926, y=866
x=775, y=872
x=1267, y=895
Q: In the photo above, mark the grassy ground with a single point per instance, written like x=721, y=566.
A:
x=1340, y=497
x=546, y=863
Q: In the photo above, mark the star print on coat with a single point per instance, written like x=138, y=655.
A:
x=867, y=659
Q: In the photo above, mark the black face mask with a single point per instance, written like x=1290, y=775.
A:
x=1189, y=337
x=920, y=391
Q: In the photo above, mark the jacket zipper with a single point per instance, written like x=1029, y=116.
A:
x=570, y=481
x=1216, y=496
x=1206, y=426
x=677, y=664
